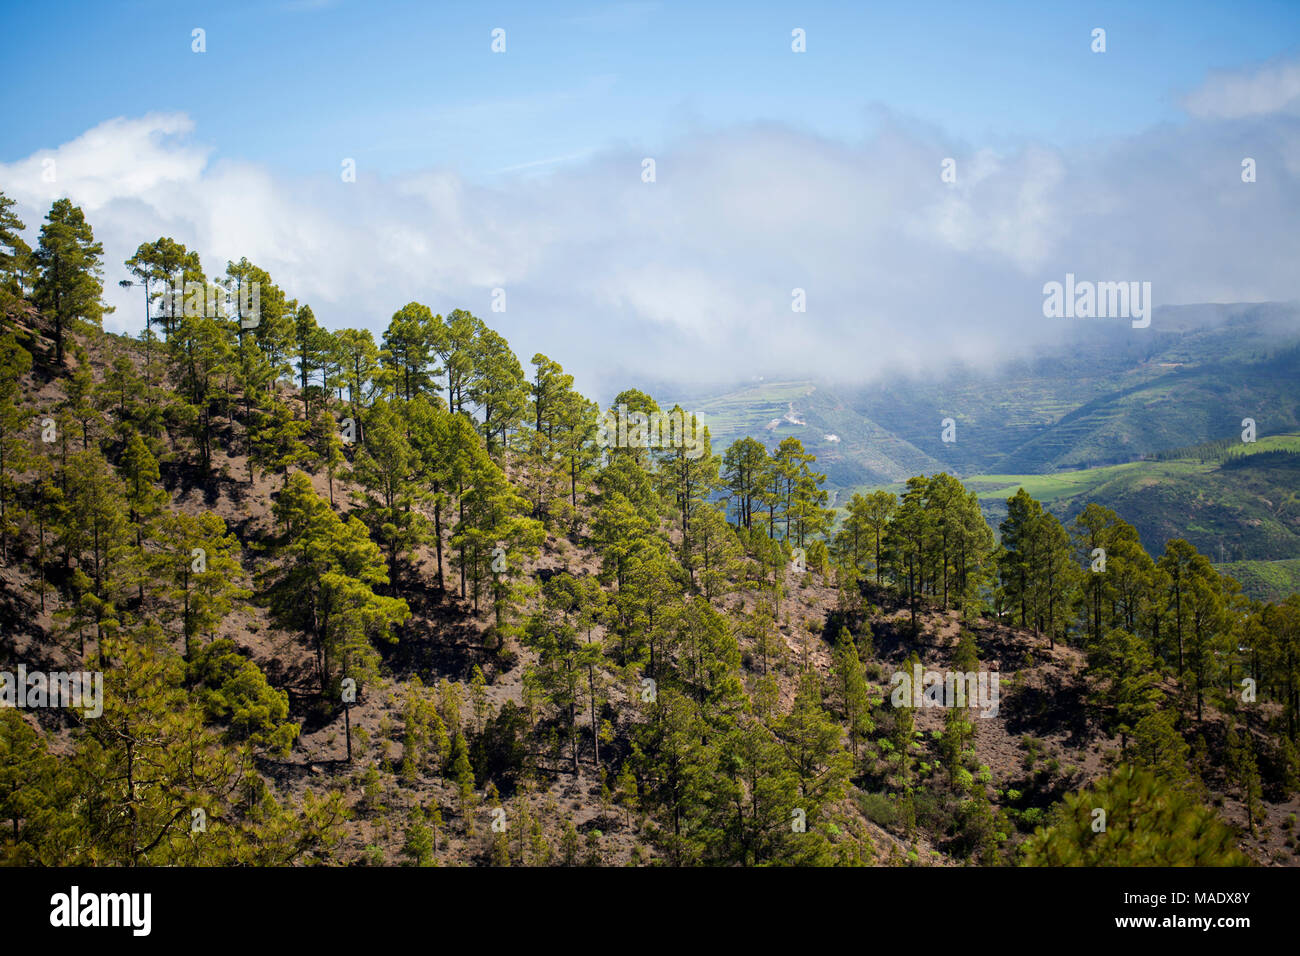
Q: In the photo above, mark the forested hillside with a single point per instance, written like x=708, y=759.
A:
x=1235, y=501
x=407, y=600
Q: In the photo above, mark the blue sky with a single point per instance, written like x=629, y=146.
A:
x=776, y=171
x=403, y=86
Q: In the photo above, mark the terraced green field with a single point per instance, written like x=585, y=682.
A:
x=745, y=410
x=1244, y=513
x=1050, y=489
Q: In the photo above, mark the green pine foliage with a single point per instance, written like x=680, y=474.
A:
x=356, y=596
x=1147, y=822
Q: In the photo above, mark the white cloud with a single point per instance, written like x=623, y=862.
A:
x=118, y=159
x=690, y=277
x=1235, y=94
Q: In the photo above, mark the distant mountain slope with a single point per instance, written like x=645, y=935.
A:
x=1074, y=426
x=1108, y=394
x=1183, y=406
x=851, y=449
x=1243, y=509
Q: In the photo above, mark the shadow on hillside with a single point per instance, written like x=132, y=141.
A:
x=1013, y=650
x=190, y=479
x=21, y=628
x=894, y=638
x=23, y=641
x=23, y=638
x=440, y=640
x=1053, y=704
x=296, y=768
x=298, y=677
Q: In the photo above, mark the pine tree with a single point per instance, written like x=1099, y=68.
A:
x=198, y=566
x=551, y=632
x=1148, y=822
x=1018, y=559
x=878, y=512
x=79, y=404
x=463, y=775
x=169, y=264
x=145, y=499
x=358, y=360
x=202, y=352
x=903, y=732
x=1209, y=640
x=676, y=773
x=791, y=484
x=1126, y=668
x=688, y=479
x=558, y=417
x=68, y=286
x=493, y=536
x=908, y=534
x=234, y=691
x=811, y=741
x=715, y=552
x=15, y=455
x=48, y=511
x=15, y=257
x=30, y=799
x=811, y=516
x=852, y=544
x=327, y=446
x=453, y=341
x=274, y=441
x=1094, y=534
x=1159, y=747
x=326, y=585
x=569, y=844
x=1278, y=628
x=123, y=392
x=627, y=791
x=152, y=265
x=957, y=733
x=583, y=602
x=498, y=389
x=419, y=847
x=851, y=690
x=148, y=761
x=744, y=472
x=384, y=466
x=311, y=349
x=1242, y=765
x=95, y=533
